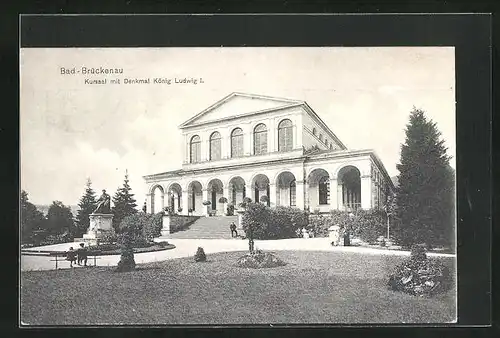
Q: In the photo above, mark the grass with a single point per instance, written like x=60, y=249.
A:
x=314, y=287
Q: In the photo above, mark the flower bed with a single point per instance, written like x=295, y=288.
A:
x=115, y=249
x=420, y=275
x=259, y=260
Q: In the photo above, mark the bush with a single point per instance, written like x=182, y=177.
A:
x=259, y=260
x=230, y=210
x=273, y=223
x=367, y=225
x=420, y=276
x=152, y=226
x=200, y=255
x=127, y=262
x=143, y=228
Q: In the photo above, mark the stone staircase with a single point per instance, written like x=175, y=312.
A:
x=215, y=227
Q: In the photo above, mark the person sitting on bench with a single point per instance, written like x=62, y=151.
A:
x=71, y=256
x=82, y=254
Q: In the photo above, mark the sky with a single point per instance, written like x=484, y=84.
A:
x=71, y=131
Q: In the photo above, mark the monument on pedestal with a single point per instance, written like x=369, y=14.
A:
x=101, y=220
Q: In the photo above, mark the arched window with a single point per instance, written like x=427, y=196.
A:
x=237, y=142
x=321, y=137
x=215, y=153
x=195, y=149
x=324, y=190
x=260, y=139
x=293, y=193
x=315, y=132
x=285, y=135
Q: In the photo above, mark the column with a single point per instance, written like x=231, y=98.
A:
x=204, y=148
x=299, y=195
x=228, y=197
x=247, y=140
x=249, y=192
x=306, y=194
x=299, y=127
x=185, y=202
x=334, y=194
x=340, y=197
x=272, y=193
x=149, y=203
x=366, y=192
x=272, y=136
x=204, y=194
x=162, y=203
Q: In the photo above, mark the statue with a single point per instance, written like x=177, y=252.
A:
x=103, y=204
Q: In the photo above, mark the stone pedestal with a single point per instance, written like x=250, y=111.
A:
x=100, y=225
x=166, y=230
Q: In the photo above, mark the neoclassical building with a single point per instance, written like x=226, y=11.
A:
x=252, y=146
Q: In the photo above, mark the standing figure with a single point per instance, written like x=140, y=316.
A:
x=234, y=233
x=103, y=204
x=82, y=254
x=71, y=256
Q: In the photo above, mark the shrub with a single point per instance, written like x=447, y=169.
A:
x=200, y=255
x=207, y=203
x=259, y=260
x=272, y=223
x=367, y=225
x=420, y=276
x=222, y=200
x=152, y=226
x=246, y=201
x=108, y=238
x=230, y=210
x=127, y=262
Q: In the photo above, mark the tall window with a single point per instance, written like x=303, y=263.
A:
x=260, y=139
x=293, y=193
x=315, y=132
x=237, y=142
x=195, y=149
x=285, y=135
x=215, y=146
x=321, y=137
x=324, y=190
x=331, y=146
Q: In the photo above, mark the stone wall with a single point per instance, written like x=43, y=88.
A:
x=174, y=223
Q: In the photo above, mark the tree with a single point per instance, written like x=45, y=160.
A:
x=31, y=219
x=60, y=220
x=425, y=196
x=87, y=205
x=124, y=203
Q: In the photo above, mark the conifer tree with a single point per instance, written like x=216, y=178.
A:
x=124, y=203
x=425, y=195
x=87, y=205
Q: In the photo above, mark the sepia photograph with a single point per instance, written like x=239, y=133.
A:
x=237, y=185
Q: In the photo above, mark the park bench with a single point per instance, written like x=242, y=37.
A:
x=60, y=257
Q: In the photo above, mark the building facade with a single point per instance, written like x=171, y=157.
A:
x=253, y=146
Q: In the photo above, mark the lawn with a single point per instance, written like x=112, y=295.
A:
x=314, y=287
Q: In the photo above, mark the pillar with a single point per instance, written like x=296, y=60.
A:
x=306, y=194
x=272, y=194
x=149, y=203
x=340, y=196
x=185, y=202
x=228, y=197
x=249, y=191
x=299, y=195
x=162, y=203
x=334, y=194
x=366, y=192
x=204, y=194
